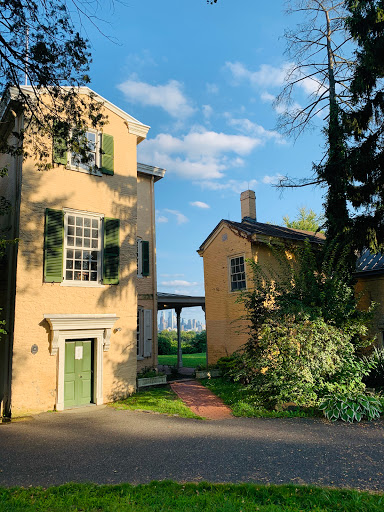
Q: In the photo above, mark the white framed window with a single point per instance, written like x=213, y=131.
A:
x=144, y=332
x=82, y=248
x=237, y=273
x=139, y=334
x=92, y=140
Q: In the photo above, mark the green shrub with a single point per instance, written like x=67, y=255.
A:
x=351, y=408
x=375, y=378
x=305, y=330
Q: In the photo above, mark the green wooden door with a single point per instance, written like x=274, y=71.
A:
x=78, y=373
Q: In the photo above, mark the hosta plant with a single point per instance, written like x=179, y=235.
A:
x=351, y=408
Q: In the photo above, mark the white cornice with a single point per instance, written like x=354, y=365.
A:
x=157, y=172
x=134, y=125
x=99, y=322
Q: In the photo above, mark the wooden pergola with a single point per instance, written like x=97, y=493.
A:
x=178, y=302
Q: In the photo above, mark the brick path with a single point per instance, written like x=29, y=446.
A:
x=201, y=401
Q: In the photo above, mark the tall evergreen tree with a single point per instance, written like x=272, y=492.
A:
x=365, y=123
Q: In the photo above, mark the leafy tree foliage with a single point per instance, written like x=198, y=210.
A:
x=364, y=124
x=306, y=220
x=304, y=329
x=191, y=342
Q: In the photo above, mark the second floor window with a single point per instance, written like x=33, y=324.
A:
x=82, y=247
x=237, y=273
x=91, y=141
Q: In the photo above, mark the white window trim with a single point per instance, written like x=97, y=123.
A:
x=85, y=284
x=93, y=172
x=139, y=249
x=230, y=275
x=140, y=354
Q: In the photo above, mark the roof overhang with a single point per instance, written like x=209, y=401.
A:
x=149, y=170
x=173, y=301
x=134, y=126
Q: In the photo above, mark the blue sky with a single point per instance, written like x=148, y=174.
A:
x=204, y=78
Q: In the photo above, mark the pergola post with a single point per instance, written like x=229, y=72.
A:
x=179, y=352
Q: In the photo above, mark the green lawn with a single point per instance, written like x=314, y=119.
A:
x=245, y=402
x=189, y=360
x=170, y=496
x=162, y=400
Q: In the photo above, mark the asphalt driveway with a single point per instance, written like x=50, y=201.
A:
x=106, y=446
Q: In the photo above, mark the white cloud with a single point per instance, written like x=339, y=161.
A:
x=272, y=180
x=235, y=186
x=172, y=275
x=267, y=98
x=266, y=75
x=177, y=282
x=250, y=128
x=200, y=204
x=212, y=88
x=169, y=97
x=207, y=111
x=180, y=217
x=200, y=154
x=161, y=219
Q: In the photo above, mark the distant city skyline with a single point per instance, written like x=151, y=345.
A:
x=167, y=320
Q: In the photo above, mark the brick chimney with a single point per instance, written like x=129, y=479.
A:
x=248, y=204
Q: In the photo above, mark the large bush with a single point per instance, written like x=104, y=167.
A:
x=305, y=329
x=191, y=342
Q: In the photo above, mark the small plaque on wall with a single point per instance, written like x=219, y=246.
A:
x=34, y=349
x=79, y=353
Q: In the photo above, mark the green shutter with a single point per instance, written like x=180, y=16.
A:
x=53, y=245
x=59, y=148
x=145, y=258
x=111, y=251
x=107, y=154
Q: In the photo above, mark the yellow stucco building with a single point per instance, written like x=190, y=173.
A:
x=78, y=290
x=226, y=273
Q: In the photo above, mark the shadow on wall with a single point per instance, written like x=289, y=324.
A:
x=123, y=204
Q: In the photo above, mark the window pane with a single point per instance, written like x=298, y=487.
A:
x=95, y=233
x=87, y=222
x=93, y=276
x=85, y=265
x=87, y=242
x=94, y=255
x=79, y=231
x=69, y=264
x=93, y=266
x=69, y=275
x=79, y=221
x=78, y=265
x=85, y=276
x=69, y=254
x=71, y=230
x=95, y=244
x=78, y=255
x=77, y=276
x=87, y=232
x=71, y=219
x=86, y=255
x=70, y=240
x=95, y=223
x=78, y=242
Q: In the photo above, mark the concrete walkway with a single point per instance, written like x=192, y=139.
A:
x=108, y=446
x=201, y=400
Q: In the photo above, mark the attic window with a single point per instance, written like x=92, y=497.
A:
x=237, y=273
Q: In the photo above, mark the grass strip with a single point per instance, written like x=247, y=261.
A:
x=162, y=400
x=246, y=403
x=167, y=495
x=189, y=360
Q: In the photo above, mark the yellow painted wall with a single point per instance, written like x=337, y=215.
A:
x=34, y=376
x=372, y=290
x=147, y=285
